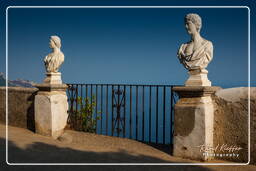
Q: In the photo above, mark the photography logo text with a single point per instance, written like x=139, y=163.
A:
x=223, y=150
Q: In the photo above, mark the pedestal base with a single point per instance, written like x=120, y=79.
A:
x=193, y=124
x=51, y=108
x=53, y=78
x=198, y=77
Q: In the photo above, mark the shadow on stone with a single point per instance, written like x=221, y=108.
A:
x=166, y=148
x=31, y=113
x=44, y=153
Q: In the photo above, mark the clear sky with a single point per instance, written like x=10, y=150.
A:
x=125, y=45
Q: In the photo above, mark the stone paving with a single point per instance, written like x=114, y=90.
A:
x=77, y=147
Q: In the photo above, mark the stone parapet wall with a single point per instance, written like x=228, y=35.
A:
x=230, y=115
x=20, y=106
x=231, y=120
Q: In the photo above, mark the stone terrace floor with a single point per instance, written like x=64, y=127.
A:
x=78, y=147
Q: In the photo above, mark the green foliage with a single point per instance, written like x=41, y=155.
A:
x=86, y=114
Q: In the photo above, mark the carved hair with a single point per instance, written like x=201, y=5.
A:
x=195, y=19
x=56, y=41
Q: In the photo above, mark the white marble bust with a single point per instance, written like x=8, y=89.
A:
x=198, y=52
x=54, y=60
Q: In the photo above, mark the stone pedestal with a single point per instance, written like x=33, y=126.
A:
x=53, y=78
x=51, y=109
x=193, y=121
x=198, y=77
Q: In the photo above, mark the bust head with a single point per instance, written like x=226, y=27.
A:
x=55, y=42
x=193, y=23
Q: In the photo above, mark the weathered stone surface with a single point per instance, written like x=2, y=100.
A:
x=193, y=127
x=231, y=120
x=198, y=77
x=195, y=91
x=46, y=88
x=51, y=114
x=20, y=106
x=193, y=124
x=53, y=78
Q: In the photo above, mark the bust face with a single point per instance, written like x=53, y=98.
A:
x=191, y=27
x=52, y=44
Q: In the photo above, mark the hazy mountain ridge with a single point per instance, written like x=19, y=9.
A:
x=15, y=83
x=2, y=79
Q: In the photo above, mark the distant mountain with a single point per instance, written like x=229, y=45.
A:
x=15, y=83
x=2, y=79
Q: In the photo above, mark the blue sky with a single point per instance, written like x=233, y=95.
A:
x=125, y=45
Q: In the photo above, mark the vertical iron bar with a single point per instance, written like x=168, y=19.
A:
x=81, y=95
x=91, y=93
x=164, y=115
x=71, y=114
x=130, y=121
x=101, y=105
x=91, y=97
x=124, y=96
x=118, y=111
x=76, y=98
x=150, y=88
x=86, y=91
x=171, y=124
x=76, y=115
x=72, y=99
x=112, y=110
x=156, y=114
x=91, y=102
x=107, y=110
x=136, y=112
x=143, y=113
x=96, y=106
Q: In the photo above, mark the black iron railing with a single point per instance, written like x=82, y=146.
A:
x=141, y=112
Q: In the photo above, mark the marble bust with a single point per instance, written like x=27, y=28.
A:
x=196, y=54
x=54, y=60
